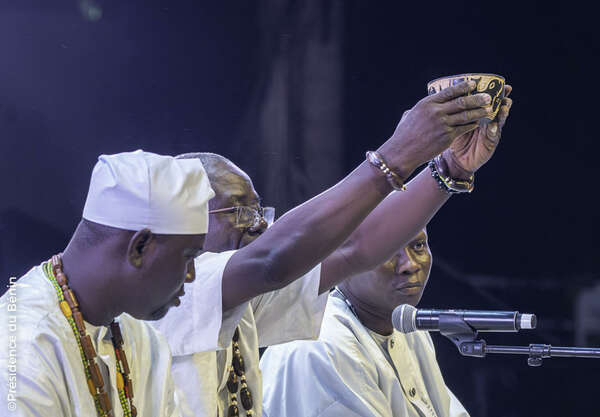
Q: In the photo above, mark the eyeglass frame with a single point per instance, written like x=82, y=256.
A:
x=259, y=215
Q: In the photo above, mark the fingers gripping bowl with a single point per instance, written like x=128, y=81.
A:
x=491, y=84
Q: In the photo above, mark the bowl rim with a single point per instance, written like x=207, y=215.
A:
x=467, y=73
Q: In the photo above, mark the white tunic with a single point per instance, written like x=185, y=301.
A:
x=46, y=363
x=346, y=373
x=294, y=312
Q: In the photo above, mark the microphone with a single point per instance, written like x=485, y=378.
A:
x=407, y=319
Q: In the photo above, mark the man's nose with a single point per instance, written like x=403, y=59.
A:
x=406, y=264
x=190, y=274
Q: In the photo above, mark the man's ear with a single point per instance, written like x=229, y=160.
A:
x=138, y=245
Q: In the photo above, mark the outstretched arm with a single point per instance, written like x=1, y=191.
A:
x=402, y=215
x=309, y=233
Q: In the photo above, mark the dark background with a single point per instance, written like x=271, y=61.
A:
x=295, y=93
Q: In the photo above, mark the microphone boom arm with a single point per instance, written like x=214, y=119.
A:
x=464, y=337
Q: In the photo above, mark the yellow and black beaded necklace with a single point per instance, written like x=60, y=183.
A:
x=70, y=308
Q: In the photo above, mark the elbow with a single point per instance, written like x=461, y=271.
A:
x=356, y=257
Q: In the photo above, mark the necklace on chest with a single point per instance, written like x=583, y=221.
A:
x=70, y=309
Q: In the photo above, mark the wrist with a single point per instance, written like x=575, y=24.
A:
x=377, y=182
x=450, y=185
x=397, y=162
x=394, y=179
x=452, y=168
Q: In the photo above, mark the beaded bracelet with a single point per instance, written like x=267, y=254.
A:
x=393, y=179
x=447, y=184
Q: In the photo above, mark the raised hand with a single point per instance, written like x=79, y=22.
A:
x=432, y=125
x=473, y=149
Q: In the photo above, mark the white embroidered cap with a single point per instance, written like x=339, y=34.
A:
x=137, y=190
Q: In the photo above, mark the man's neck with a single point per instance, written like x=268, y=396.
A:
x=91, y=286
x=370, y=316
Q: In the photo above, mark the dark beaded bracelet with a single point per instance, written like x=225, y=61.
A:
x=447, y=184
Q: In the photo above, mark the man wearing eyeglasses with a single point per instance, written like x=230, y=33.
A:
x=274, y=289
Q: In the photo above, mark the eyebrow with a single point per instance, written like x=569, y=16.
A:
x=241, y=200
x=420, y=237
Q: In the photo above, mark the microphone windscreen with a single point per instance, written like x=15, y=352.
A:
x=403, y=318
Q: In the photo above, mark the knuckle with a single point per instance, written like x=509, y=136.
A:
x=438, y=112
x=424, y=103
x=432, y=112
x=461, y=102
x=466, y=116
x=447, y=93
x=476, y=101
x=444, y=120
x=424, y=100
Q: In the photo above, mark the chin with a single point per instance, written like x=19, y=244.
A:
x=411, y=300
x=156, y=314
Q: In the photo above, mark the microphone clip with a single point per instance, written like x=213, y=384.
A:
x=462, y=335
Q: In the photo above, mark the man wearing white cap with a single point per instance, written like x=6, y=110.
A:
x=303, y=248
x=73, y=340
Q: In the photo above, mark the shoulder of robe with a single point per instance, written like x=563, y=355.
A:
x=36, y=310
x=341, y=333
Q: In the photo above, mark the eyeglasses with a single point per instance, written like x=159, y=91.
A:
x=249, y=217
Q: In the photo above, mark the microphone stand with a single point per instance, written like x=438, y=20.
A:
x=465, y=339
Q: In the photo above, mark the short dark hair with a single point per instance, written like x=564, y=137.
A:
x=90, y=234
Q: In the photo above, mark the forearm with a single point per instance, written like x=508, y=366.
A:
x=303, y=237
x=389, y=227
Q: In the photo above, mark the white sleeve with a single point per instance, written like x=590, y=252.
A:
x=199, y=324
x=294, y=312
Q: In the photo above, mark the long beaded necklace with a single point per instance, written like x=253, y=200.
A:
x=70, y=308
x=238, y=369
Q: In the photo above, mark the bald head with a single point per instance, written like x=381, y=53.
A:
x=216, y=166
x=233, y=188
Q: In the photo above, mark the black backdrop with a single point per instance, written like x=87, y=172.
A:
x=80, y=78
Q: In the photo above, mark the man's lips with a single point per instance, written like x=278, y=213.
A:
x=410, y=287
